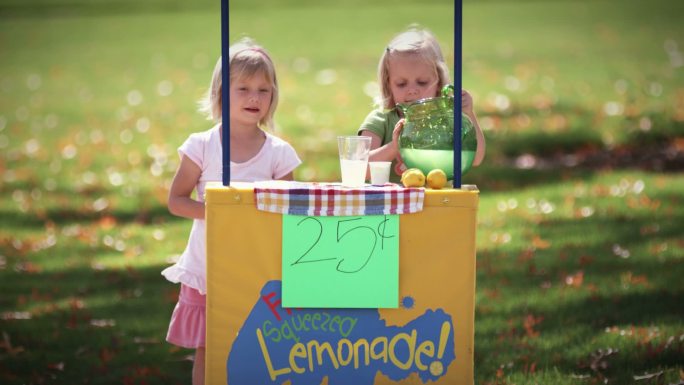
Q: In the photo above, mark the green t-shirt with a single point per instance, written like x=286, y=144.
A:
x=382, y=123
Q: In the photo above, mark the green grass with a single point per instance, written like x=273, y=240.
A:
x=579, y=268
x=563, y=269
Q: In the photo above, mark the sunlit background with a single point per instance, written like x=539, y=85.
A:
x=581, y=102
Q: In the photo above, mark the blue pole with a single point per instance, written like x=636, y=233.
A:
x=225, y=93
x=458, y=69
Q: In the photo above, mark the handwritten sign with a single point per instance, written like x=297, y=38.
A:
x=340, y=262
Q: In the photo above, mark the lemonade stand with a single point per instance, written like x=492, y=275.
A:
x=317, y=283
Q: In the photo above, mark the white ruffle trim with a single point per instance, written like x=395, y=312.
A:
x=177, y=274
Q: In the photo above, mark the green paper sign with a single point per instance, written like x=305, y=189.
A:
x=341, y=262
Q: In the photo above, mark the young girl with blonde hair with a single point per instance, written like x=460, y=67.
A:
x=411, y=68
x=255, y=155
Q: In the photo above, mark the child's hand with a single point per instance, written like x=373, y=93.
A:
x=396, y=132
x=399, y=166
x=466, y=102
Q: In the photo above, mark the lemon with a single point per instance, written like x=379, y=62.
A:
x=407, y=172
x=413, y=177
x=436, y=179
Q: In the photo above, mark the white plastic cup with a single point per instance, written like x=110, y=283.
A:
x=379, y=172
x=354, y=151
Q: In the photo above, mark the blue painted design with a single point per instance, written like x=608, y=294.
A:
x=349, y=346
x=407, y=302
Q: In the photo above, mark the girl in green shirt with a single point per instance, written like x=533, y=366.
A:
x=412, y=67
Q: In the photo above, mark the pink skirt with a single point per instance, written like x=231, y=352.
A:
x=188, y=326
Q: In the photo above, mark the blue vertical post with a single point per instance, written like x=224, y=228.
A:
x=458, y=69
x=225, y=93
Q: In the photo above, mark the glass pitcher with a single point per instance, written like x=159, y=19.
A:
x=427, y=140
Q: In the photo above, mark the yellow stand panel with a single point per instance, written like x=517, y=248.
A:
x=428, y=339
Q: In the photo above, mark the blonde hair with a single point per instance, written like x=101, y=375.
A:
x=245, y=59
x=413, y=41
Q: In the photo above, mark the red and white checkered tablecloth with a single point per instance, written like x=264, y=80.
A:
x=331, y=199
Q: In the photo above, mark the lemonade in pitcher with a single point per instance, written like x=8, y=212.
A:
x=427, y=139
x=427, y=160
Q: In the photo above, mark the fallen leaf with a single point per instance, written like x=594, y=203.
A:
x=7, y=345
x=103, y=323
x=106, y=355
x=56, y=366
x=586, y=260
x=575, y=280
x=539, y=243
x=529, y=323
x=648, y=376
x=15, y=315
x=28, y=267
x=107, y=222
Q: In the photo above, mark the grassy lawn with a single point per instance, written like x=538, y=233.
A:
x=580, y=246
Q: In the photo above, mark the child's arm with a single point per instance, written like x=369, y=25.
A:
x=288, y=176
x=379, y=152
x=184, y=182
x=389, y=151
x=467, y=107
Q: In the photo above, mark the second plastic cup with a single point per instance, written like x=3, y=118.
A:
x=354, y=151
x=379, y=172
